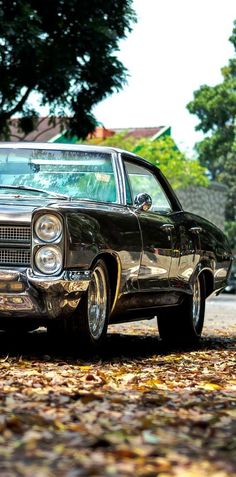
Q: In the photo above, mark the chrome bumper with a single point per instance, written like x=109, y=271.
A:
x=24, y=294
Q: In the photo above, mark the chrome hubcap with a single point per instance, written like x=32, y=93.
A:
x=196, y=302
x=97, y=303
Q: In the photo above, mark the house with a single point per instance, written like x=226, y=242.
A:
x=46, y=130
x=53, y=130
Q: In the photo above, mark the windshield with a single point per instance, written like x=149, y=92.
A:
x=78, y=174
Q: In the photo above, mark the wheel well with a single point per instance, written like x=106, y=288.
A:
x=113, y=270
x=209, y=282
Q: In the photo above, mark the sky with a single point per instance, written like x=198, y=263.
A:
x=176, y=46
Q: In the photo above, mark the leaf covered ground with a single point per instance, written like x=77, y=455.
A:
x=136, y=409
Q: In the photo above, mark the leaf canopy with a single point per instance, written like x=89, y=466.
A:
x=215, y=107
x=63, y=50
x=163, y=152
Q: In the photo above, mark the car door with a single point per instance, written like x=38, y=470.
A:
x=157, y=226
x=184, y=262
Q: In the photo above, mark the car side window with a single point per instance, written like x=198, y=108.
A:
x=140, y=180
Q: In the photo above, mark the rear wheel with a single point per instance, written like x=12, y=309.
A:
x=183, y=324
x=89, y=325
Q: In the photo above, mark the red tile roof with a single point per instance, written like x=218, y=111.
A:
x=139, y=133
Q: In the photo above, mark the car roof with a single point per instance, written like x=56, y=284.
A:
x=62, y=146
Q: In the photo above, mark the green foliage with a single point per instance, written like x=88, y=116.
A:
x=179, y=170
x=120, y=140
x=65, y=51
x=215, y=107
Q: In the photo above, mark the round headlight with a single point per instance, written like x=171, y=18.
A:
x=48, y=260
x=48, y=228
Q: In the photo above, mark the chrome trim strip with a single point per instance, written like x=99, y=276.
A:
x=117, y=285
x=114, y=159
x=10, y=275
x=121, y=174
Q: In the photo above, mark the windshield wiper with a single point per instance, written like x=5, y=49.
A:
x=34, y=189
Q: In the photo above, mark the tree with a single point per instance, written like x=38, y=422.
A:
x=163, y=152
x=64, y=50
x=215, y=107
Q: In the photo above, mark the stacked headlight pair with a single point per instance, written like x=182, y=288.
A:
x=48, y=257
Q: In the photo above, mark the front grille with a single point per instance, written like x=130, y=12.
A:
x=14, y=256
x=15, y=233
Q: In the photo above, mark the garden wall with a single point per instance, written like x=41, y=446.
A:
x=208, y=202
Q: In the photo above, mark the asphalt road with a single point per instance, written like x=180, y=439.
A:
x=220, y=312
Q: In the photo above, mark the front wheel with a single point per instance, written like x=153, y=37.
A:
x=89, y=325
x=183, y=324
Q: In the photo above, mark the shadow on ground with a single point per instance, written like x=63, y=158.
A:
x=119, y=346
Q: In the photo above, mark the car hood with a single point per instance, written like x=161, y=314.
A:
x=20, y=210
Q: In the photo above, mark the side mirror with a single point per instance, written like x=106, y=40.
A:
x=143, y=201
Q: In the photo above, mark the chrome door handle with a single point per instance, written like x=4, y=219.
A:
x=167, y=227
x=195, y=230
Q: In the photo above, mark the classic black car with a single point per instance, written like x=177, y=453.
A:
x=92, y=236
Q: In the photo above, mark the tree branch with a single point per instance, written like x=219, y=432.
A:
x=19, y=105
x=42, y=132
